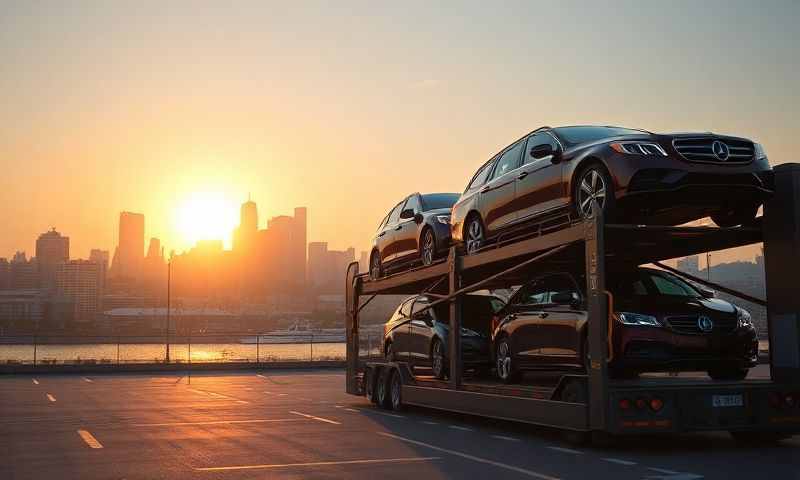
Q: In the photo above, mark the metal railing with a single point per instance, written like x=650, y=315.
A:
x=160, y=349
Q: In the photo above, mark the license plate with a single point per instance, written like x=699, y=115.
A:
x=720, y=401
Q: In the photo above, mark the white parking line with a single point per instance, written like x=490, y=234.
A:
x=217, y=422
x=35, y=382
x=315, y=418
x=505, y=466
x=320, y=464
x=51, y=398
x=566, y=450
x=351, y=410
x=663, y=470
x=619, y=462
x=507, y=439
x=463, y=429
x=259, y=375
x=428, y=422
x=89, y=439
x=87, y=380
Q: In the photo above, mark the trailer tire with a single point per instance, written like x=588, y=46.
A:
x=369, y=385
x=384, y=399
x=396, y=391
x=575, y=392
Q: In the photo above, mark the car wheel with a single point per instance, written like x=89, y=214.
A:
x=593, y=184
x=369, y=386
x=506, y=368
x=427, y=247
x=474, y=235
x=396, y=391
x=382, y=389
x=388, y=353
x=438, y=360
x=575, y=391
x=728, y=373
x=375, y=267
x=732, y=218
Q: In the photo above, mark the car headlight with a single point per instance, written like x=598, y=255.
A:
x=629, y=318
x=758, y=151
x=743, y=317
x=639, y=148
x=445, y=219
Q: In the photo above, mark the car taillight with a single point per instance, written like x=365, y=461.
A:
x=624, y=404
x=656, y=404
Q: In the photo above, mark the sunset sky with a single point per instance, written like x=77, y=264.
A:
x=347, y=107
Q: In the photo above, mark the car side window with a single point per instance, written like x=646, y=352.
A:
x=413, y=203
x=395, y=215
x=405, y=308
x=509, y=160
x=480, y=178
x=541, y=291
x=419, y=304
x=535, y=140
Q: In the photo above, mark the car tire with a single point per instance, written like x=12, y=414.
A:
x=506, y=368
x=593, y=183
x=375, y=266
x=369, y=385
x=438, y=360
x=728, y=373
x=382, y=386
x=396, y=391
x=575, y=391
x=734, y=217
x=427, y=246
x=474, y=234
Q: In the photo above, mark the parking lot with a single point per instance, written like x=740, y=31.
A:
x=301, y=424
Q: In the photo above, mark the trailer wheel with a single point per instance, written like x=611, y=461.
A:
x=382, y=389
x=369, y=385
x=396, y=391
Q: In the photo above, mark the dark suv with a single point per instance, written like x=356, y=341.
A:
x=661, y=323
x=415, y=231
x=420, y=337
x=634, y=175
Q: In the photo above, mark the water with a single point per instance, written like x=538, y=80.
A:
x=111, y=353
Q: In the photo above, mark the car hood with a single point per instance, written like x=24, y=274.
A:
x=665, y=305
x=438, y=211
x=661, y=138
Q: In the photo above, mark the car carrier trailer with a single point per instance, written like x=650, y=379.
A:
x=592, y=403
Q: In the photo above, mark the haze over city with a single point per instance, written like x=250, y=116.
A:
x=181, y=111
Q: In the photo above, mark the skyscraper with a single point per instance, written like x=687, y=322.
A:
x=51, y=249
x=130, y=252
x=24, y=272
x=298, y=245
x=79, y=281
x=244, y=236
x=100, y=257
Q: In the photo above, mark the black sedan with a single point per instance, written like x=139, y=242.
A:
x=553, y=174
x=415, y=231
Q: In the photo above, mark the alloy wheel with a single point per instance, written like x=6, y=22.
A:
x=592, y=187
x=503, y=361
x=437, y=360
x=428, y=248
x=375, y=267
x=474, y=236
x=395, y=391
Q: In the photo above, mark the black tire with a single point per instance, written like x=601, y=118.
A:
x=474, y=235
x=439, y=363
x=427, y=246
x=575, y=391
x=506, y=368
x=382, y=389
x=759, y=438
x=593, y=183
x=369, y=385
x=388, y=352
x=396, y=391
x=728, y=373
x=375, y=266
x=736, y=216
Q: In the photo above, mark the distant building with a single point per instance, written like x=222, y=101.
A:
x=182, y=320
x=5, y=274
x=326, y=268
x=24, y=272
x=100, y=257
x=22, y=310
x=129, y=256
x=155, y=268
x=52, y=249
x=690, y=265
x=81, y=282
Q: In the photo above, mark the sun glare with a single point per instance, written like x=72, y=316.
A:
x=206, y=216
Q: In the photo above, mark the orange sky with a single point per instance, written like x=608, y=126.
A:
x=109, y=107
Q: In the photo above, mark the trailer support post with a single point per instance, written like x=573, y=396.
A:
x=454, y=337
x=598, y=320
x=352, y=291
x=781, y=262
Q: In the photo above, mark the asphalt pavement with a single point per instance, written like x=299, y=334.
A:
x=301, y=424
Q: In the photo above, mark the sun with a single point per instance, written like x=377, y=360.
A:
x=205, y=216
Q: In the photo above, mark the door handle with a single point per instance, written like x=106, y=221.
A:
x=522, y=175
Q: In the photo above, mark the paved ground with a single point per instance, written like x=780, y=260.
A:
x=302, y=425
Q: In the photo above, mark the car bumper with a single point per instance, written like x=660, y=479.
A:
x=441, y=232
x=651, y=349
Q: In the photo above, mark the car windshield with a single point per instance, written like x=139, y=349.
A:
x=435, y=201
x=578, y=135
x=650, y=283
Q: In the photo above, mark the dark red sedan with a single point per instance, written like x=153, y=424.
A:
x=662, y=323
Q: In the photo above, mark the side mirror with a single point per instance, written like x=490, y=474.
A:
x=563, y=298
x=418, y=218
x=543, y=150
x=707, y=293
x=407, y=213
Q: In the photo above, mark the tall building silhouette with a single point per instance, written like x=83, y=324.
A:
x=100, y=257
x=129, y=256
x=244, y=236
x=52, y=249
x=79, y=281
x=24, y=272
